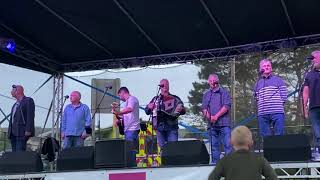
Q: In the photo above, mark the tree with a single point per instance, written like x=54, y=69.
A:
x=289, y=64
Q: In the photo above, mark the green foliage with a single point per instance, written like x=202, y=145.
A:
x=290, y=65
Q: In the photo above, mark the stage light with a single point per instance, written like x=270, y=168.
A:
x=8, y=44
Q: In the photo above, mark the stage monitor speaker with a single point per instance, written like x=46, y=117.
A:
x=188, y=152
x=115, y=153
x=295, y=147
x=20, y=162
x=76, y=158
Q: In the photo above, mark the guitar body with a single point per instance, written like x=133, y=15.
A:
x=120, y=122
x=120, y=126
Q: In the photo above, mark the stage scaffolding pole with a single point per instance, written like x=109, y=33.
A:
x=233, y=90
x=57, y=103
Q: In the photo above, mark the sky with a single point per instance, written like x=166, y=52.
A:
x=142, y=83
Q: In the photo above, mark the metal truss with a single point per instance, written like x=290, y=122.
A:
x=184, y=57
x=24, y=177
x=35, y=58
x=219, y=53
x=57, y=104
x=303, y=170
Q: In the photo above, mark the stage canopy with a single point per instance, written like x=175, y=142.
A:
x=61, y=36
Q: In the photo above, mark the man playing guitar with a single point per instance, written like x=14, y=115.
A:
x=130, y=119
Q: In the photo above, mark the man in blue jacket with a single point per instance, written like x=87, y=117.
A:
x=76, y=122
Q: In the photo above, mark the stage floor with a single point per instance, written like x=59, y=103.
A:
x=285, y=170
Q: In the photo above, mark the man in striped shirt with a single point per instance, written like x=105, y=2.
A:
x=271, y=95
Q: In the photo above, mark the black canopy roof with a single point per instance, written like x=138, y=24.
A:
x=58, y=35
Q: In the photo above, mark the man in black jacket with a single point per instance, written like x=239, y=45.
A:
x=21, y=125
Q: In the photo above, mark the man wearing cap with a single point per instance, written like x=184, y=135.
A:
x=21, y=124
x=216, y=105
x=271, y=94
x=311, y=94
x=75, y=122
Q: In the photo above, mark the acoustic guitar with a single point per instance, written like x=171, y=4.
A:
x=120, y=122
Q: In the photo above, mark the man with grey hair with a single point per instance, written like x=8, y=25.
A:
x=165, y=110
x=311, y=94
x=21, y=124
x=271, y=94
x=75, y=122
x=216, y=104
x=232, y=167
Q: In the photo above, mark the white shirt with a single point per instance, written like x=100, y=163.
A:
x=131, y=120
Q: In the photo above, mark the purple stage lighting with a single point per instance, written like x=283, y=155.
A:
x=8, y=44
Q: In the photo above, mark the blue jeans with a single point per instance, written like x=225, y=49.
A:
x=166, y=136
x=132, y=138
x=274, y=120
x=315, y=121
x=18, y=143
x=219, y=135
x=72, y=141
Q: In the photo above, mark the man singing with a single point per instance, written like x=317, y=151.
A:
x=76, y=122
x=311, y=94
x=216, y=105
x=165, y=109
x=21, y=124
x=130, y=114
x=271, y=94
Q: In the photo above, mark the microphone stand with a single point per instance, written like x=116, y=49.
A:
x=98, y=109
x=59, y=114
x=308, y=69
x=152, y=125
x=257, y=96
x=208, y=111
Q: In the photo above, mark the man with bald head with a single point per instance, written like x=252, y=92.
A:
x=311, y=99
x=76, y=122
x=242, y=164
x=165, y=110
x=21, y=124
x=216, y=105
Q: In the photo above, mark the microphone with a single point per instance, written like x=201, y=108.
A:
x=261, y=71
x=108, y=86
x=66, y=97
x=309, y=58
x=161, y=85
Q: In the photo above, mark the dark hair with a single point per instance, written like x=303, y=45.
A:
x=125, y=89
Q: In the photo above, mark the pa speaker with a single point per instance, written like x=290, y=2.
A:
x=295, y=147
x=76, y=158
x=20, y=162
x=185, y=153
x=115, y=153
